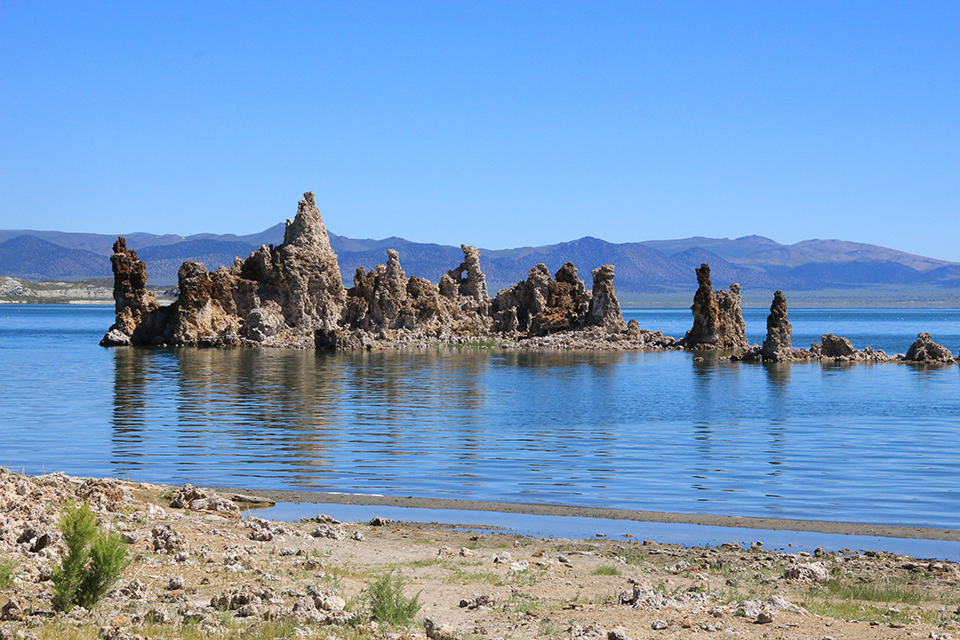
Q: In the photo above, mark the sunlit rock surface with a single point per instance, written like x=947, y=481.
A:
x=926, y=350
x=717, y=317
x=277, y=296
x=779, y=342
x=292, y=296
x=132, y=300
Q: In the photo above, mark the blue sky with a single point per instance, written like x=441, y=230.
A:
x=494, y=124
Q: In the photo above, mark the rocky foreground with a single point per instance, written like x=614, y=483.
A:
x=201, y=570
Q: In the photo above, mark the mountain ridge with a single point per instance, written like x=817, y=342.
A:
x=650, y=266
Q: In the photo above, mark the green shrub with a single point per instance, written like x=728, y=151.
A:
x=94, y=560
x=6, y=574
x=387, y=602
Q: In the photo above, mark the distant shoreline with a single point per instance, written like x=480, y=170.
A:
x=630, y=305
x=20, y=291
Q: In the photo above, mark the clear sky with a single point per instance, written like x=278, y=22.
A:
x=497, y=124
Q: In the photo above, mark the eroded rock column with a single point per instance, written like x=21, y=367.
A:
x=779, y=340
x=604, y=307
x=717, y=316
x=313, y=293
x=132, y=300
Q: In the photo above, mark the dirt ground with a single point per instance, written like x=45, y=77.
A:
x=203, y=571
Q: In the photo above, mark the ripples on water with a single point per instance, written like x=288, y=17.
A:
x=650, y=431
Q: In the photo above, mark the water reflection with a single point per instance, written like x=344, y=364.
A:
x=655, y=431
x=778, y=375
x=129, y=394
x=778, y=385
x=137, y=374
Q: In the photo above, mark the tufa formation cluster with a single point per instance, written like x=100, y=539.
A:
x=293, y=296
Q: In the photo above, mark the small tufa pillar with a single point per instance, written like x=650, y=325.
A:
x=779, y=340
x=604, y=307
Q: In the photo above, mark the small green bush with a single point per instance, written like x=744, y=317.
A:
x=6, y=574
x=94, y=561
x=387, y=602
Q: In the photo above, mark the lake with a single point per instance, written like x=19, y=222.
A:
x=649, y=431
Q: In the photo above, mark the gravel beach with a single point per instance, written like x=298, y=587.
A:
x=208, y=568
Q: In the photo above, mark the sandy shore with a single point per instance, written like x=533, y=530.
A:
x=203, y=571
x=772, y=524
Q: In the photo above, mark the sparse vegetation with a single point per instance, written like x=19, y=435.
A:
x=550, y=628
x=420, y=564
x=522, y=602
x=387, y=602
x=333, y=577
x=264, y=630
x=519, y=578
x=94, y=560
x=606, y=570
x=460, y=576
x=6, y=574
x=870, y=592
x=866, y=601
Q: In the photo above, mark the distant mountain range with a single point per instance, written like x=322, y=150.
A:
x=642, y=267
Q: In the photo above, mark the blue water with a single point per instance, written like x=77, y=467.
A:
x=648, y=431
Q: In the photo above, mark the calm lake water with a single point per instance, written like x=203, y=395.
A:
x=649, y=431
